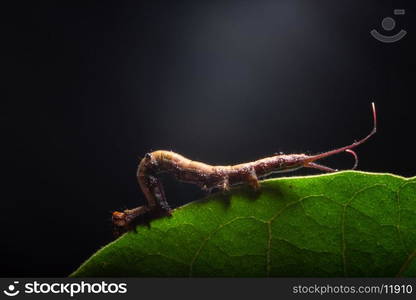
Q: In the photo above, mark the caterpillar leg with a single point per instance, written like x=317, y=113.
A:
x=252, y=179
x=224, y=185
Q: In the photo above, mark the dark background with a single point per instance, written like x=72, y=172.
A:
x=91, y=88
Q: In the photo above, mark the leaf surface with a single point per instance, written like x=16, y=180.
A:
x=348, y=223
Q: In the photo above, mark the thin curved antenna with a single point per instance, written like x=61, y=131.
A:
x=349, y=147
x=355, y=157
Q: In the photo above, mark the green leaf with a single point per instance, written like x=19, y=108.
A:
x=342, y=224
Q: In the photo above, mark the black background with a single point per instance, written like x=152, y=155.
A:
x=91, y=88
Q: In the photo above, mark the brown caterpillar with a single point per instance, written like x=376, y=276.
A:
x=215, y=177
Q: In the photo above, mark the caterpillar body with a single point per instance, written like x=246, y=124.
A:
x=209, y=177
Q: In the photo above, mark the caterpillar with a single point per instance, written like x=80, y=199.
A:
x=209, y=177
